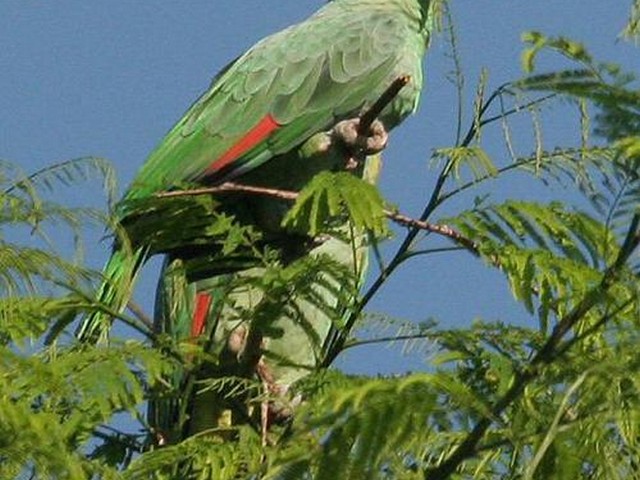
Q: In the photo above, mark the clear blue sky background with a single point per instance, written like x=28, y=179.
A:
x=109, y=78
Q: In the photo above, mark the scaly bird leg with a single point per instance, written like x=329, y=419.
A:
x=358, y=145
x=248, y=346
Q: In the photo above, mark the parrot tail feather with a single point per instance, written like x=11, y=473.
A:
x=117, y=287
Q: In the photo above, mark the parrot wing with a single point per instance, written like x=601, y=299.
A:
x=270, y=100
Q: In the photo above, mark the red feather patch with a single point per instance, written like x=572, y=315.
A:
x=203, y=301
x=258, y=133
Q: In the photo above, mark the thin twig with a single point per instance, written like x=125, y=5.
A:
x=440, y=229
x=458, y=79
x=399, y=338
x=232, y=187
x=139, y=314
x=377, y=254
x=429, y=251
x=517, y=109
x=135, y=323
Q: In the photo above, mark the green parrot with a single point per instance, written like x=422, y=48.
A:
x=288, y=87
x=274, y=117
x=335, y=66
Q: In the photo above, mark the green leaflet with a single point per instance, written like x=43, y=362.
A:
x=52, y=402
x=632, y=29
x=202, y=457
x=573, y=50
x=332, y=195
x=551, y=256
x=474, y=159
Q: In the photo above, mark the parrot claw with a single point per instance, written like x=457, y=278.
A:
x=373, y=142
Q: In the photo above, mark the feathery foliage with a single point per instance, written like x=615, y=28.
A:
x=57, y=400
x=557, y=396
x=328, y=195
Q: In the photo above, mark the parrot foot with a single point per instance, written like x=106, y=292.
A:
x=374, y=141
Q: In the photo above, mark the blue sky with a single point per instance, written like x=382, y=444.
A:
x=109, y=78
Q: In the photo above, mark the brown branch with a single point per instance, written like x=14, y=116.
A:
x=231, y=187
x=367, y=118
x=440, y=229
x=399, y=218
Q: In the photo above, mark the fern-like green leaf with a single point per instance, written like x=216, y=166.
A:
x=332, y=195
x=205, y=457
x=539, y=42
x=65, y=173
x=632, y=29
x=474, y=159
x=551, y=256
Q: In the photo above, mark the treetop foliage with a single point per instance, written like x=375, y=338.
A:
x=557, y=398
